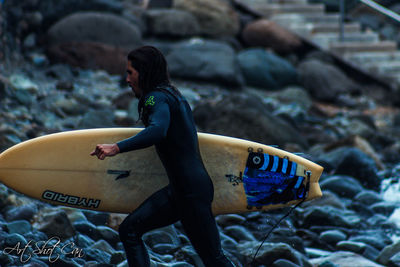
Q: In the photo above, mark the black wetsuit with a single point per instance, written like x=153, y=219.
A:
x=170, y=127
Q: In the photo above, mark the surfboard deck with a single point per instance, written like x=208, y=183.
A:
x=58, y=169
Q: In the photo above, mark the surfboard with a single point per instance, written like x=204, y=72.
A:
x=58, y=169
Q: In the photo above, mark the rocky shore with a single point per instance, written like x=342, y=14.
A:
x=61, y=68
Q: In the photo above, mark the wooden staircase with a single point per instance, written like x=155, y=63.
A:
x=362, y=49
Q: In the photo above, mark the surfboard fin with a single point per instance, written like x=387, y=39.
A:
x=121, y=174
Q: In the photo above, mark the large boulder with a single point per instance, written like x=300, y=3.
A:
x=89, y=55
x=268, y=34
x=172, y=22
x=54, y=10
x=265, y=69
x=216, y=17
x=97, y=27
x=357, y=164
x=246, y=117
x=204, y=60
x=324, y=81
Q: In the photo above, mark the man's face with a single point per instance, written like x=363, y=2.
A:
x=132, y=78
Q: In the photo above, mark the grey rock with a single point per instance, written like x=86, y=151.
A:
x=284, y=263
x=388, y=252
x=267, y=33
x=36, y=236
x=327, y=199
x=93, y=254
x=172, y=22
x=204, y=60
x=54, y=223
x=368, y=197
x=88, y=229
x=103, y=246
x=270, y=252
x=14, y=239
x=64, y=261
x=353, y=246
x=3, y=195
x=228, y=243
x=371, y=253
x=190, y=256
x=164, y=248
x=394, y=261
x=159, y=236
x=90, y=55
x=384, y=208
x=117, y=257
x=239, y=233
x=52, y=10
x=265, y=69
x=344, y=258
x=357, y=164
x=97, y=119
x=216, y=17
x=83, y=241
x=24, y=212
x=69, y=107
x=181, y=264
x=33, y=262
x=19, y=227
x=229, y=219
x=97, y=27
x=21, y=82
x=343, y=186
x=377, y=219
x=123, y=99
x=5, y=259
x=377, y=239
x=109, y=235
x=324, y=81
x=234, y=116
x=65, y=86
x=329, y=216
x=97, y=218
x=328, y=264
x=333, y=236
x=294, y=95
x=289, y=238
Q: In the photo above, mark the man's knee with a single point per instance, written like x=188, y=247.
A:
x=129, y=230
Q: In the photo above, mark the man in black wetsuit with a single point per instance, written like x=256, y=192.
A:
x=170, y=127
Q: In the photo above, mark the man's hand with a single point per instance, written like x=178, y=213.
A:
x=105, y=150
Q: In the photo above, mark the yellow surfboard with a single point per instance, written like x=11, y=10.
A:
x=58, y=169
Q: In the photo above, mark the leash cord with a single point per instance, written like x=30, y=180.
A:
x=281, y=219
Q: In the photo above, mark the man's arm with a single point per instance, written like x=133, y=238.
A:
x=159, y=119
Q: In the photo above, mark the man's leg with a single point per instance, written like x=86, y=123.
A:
x=157, y=211
x=200, y=226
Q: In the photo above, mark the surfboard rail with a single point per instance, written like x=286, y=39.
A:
x=58, y=169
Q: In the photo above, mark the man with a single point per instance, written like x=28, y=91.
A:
x=170, y=127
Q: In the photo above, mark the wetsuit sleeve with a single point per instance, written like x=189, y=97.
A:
x=157, y=108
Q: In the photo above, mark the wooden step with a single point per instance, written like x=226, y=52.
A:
x=292, y=18
x=369, y=57
x=389, y=68
x=335, y=27
x=287, y=1
x=324, y=40
x=269, y=10
x=346, y=47
x=308, y=29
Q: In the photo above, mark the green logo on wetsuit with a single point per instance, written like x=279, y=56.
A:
x=150, y=101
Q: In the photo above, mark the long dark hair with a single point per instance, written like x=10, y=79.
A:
x=152, y=67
